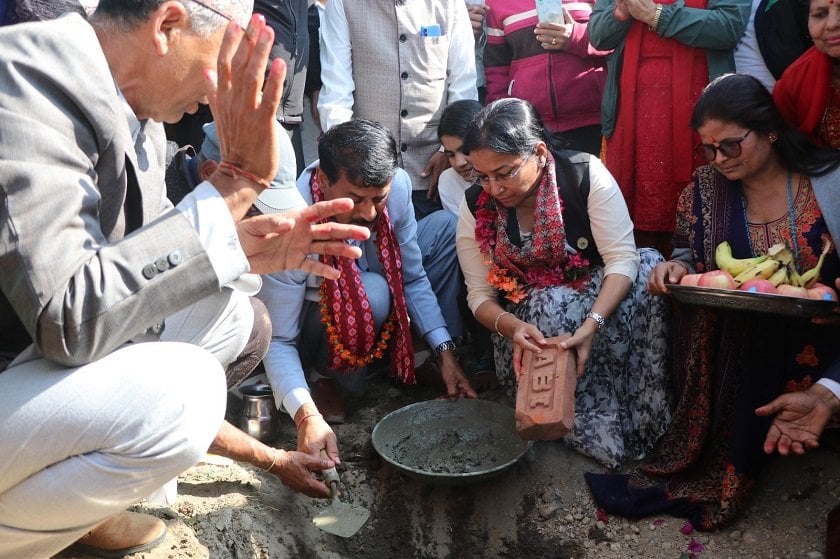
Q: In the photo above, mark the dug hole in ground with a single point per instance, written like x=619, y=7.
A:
x=538, y=508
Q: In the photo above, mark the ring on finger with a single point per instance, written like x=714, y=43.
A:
x=554, y=40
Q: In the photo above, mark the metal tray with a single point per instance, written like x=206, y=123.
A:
x=755, y=302
x=450, y=442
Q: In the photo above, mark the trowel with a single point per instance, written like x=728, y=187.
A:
x=340, y=519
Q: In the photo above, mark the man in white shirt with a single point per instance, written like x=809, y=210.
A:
x=399, y=63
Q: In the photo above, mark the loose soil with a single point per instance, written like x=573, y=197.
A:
x=540, y=507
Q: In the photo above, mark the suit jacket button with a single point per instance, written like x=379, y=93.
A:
x=175, y=258
x=162, y=264
x=149, y=271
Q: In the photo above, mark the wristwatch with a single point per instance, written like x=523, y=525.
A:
x=448, y=345
x=597, y=318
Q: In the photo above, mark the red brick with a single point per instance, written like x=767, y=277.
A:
x=545, y=396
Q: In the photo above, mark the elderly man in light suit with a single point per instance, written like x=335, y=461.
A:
x=101, y=280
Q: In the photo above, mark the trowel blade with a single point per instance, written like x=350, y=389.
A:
x=341, y=519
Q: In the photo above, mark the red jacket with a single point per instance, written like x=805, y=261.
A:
x=565, y=86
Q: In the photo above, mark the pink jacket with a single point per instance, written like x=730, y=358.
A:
x=565, y=86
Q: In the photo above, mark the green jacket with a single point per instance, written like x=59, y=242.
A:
x=716, y=29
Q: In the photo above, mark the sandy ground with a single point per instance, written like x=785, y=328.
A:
x=539, y=507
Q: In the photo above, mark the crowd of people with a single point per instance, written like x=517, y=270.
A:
x=482, y=176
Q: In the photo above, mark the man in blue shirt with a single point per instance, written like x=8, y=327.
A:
x=336, y=328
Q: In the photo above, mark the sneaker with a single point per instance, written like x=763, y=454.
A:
x=328, y=400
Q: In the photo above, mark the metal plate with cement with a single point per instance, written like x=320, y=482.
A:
x=450, y=442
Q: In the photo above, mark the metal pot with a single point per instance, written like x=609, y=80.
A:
x=259, y=414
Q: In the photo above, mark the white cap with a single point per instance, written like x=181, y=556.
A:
x=282, y=195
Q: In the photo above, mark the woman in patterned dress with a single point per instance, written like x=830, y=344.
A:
x=762, y=186
x=546, y=245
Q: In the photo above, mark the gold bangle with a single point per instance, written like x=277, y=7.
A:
x=496, y=323
x=656, y=15
x=273, y=460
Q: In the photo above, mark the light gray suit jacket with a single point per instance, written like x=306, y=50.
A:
x=73, y=185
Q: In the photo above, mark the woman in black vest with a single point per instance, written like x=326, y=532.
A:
x=546, y=246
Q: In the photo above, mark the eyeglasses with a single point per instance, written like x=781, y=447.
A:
x=730, y=147
x=501, y=178
x=214, y=10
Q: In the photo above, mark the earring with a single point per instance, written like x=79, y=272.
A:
x=772, y=137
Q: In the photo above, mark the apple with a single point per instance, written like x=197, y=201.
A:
x=690, y=279
x=720, y=279
x=822, y=292
x=758, y=286
x=792, y=291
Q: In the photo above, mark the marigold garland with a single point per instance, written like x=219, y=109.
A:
x=352, y=360
x=573, y=271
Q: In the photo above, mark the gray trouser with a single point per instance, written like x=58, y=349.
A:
x=80, y=444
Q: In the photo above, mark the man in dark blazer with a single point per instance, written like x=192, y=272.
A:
x=97, y=269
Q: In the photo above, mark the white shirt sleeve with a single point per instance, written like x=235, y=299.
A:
x=335, y=102
x=472, y=261
x=832, y=385
x=210, y=216
x=610, y=221
x=461, y=74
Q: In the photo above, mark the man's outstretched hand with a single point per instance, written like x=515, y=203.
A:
x=274, y=243
x=800, y=418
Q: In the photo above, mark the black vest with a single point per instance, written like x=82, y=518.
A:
x=572, y=171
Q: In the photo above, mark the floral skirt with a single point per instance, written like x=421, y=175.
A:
x=621, y=402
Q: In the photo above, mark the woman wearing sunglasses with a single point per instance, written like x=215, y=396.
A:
x=763, y=185
x=546, y=245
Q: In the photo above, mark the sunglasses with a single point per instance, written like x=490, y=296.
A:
x=731, y=147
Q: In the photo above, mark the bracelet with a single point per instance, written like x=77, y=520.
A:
x=237, y=172
x=496, y=322
x=683, y=263
x=656, y=15
x=273, y=461
x=300, y=421
x=597, y=318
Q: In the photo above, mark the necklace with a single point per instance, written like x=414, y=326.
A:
x=791, y=221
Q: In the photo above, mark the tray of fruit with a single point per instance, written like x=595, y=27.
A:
x=769, y=283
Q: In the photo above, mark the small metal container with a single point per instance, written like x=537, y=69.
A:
x=259, y=414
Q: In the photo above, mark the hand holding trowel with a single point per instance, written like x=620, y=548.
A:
x=341, y=519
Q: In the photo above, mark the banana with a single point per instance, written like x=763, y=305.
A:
x=781, y=252
x=807, y=279
x=760, y=271
x=794, y=278
x=779, y=277
x=735, y=266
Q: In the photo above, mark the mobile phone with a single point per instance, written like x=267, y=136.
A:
x=432, y=30
x=550, y=11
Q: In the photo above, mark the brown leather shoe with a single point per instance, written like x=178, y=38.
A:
x=326, y=397
x=122, y=534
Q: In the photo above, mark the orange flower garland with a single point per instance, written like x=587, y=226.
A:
x=350, y=359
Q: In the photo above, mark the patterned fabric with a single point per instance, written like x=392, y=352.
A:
x=829, y=130
x=651, y=152
x=346, y=300
x=725, y=365
x=621, y=402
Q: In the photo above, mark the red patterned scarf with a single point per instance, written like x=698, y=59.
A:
x=514, y=267
x=346, y=312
